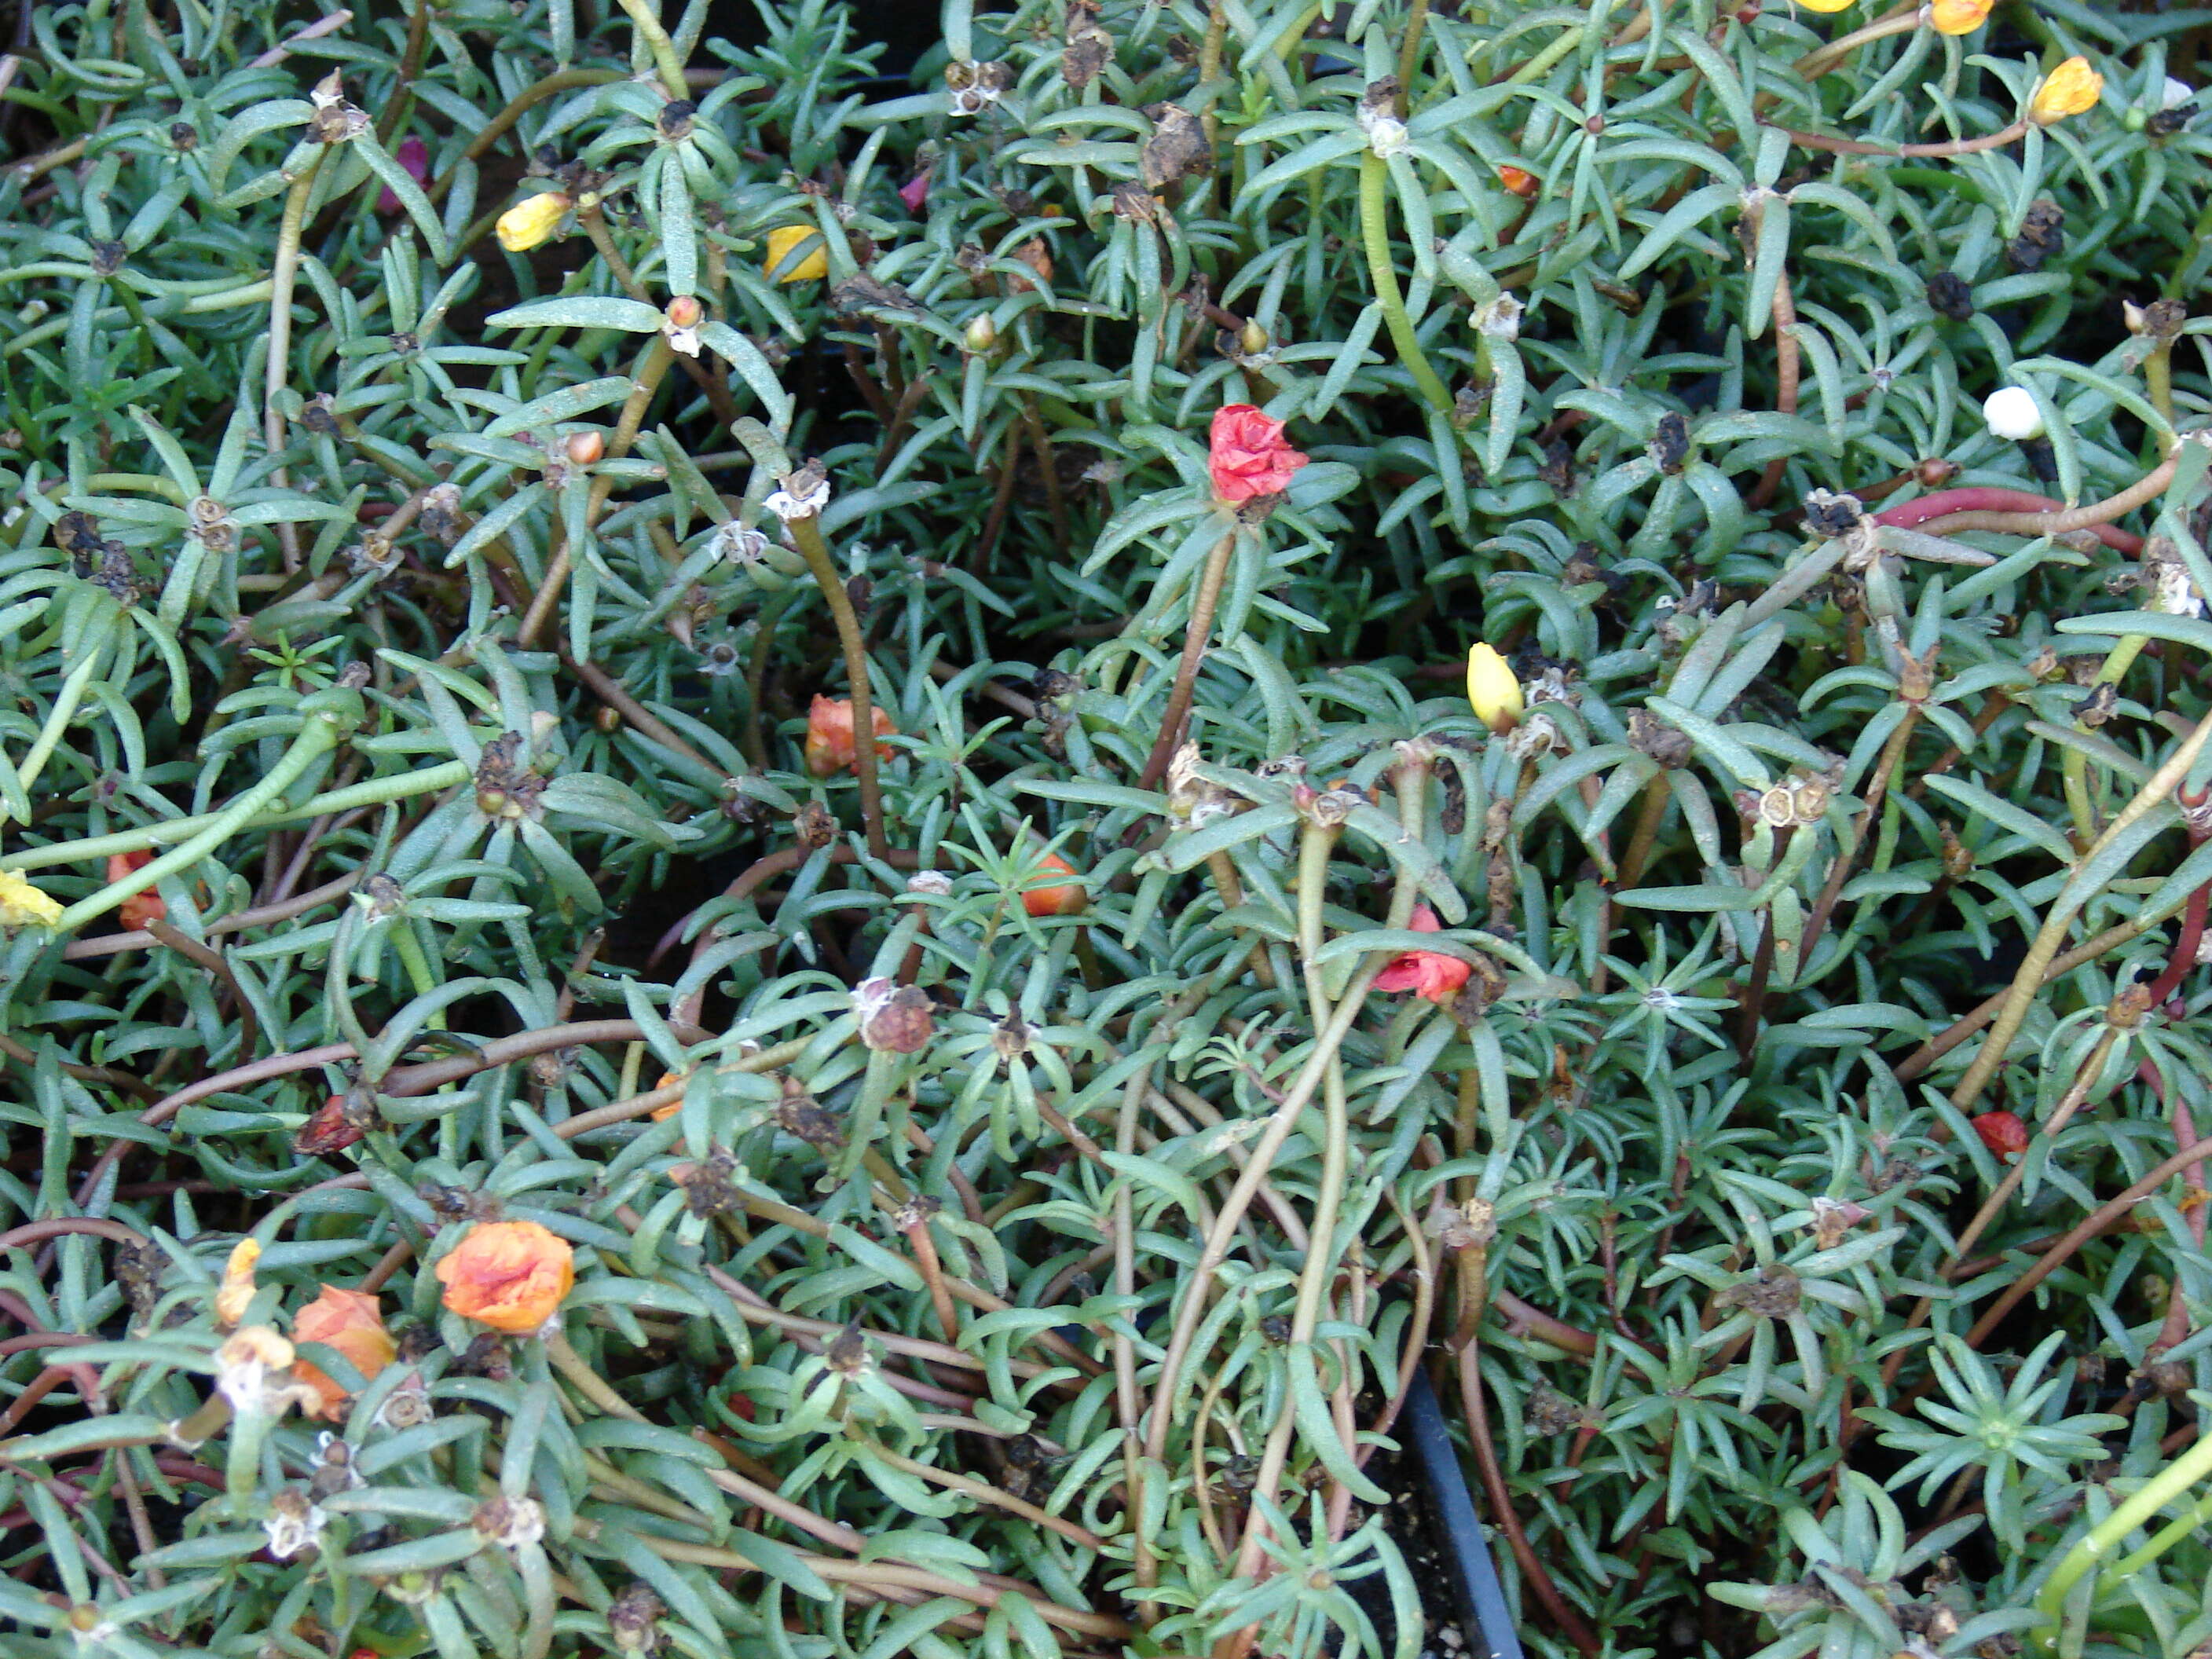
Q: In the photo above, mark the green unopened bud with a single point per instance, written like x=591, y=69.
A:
x=981, y=334
x=1253, y=338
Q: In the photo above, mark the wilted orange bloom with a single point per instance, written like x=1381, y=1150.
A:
x=349, y=1322
x=510, y=1275
x=1522, y=184
x=830, y=746
x=1066, y=899
x=139, y=908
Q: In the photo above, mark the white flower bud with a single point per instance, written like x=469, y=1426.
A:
x=2011, y=412
x=2174, y=93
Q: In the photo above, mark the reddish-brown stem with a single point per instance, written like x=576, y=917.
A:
x=1786, y=370
x=1539, y=1582
x=2010, y=135
x=1960, y=1030
x=1195, y=640
x=2101, y=1219
x=1980, y=498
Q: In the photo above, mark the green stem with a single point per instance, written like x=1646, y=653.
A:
x=376, y=791
x=284, y=272
x=663, y=49
x=1375, y=232
x=2161, y=1489
x=2064, y=910
x=1328, y=1039
x=532, y=95
x=585, y=1381
x=326, y=726
x=50, y=734
x=2074, y=767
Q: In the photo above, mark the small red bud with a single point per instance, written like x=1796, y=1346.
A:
x=2002, y=1132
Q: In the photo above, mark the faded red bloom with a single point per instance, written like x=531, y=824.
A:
x=1031, y=254
x=1522, y=184
x=135, y=912
x=916, y=190
x=2002, y=1132
x=1428, y=973
x=510, y=1275
x=349, y=1321
x=330, y=1129
x=414, y=158
x=1247, y=456
x=829, y=745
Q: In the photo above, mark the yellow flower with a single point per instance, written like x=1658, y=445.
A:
x=1823, y=5
x=783, y=240
x=2072, y=88
x=1960, y=16
x=531, y=221
x=22, y=904
x=237, y=1292
x=1493, y=689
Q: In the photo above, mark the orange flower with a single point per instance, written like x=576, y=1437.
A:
x=2072, y=88
x=829, y=745
x=659, y=1114
x=510, y=1275
x=139, y=908
x=1522, y=184
x=349, y=1322
x=1430, y=973
x=1065, y=899
x=1960, y=16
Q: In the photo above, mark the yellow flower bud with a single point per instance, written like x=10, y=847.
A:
x=2072, y=88
x=1493, y=689
x=22, y=905
x=783, y=240
x=1823, y=5
x=531, y=221
x=1960, y=16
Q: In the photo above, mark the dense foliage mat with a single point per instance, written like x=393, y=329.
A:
x=800, y=862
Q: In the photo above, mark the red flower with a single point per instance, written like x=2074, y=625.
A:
x=1430, y=973
x=2002, y=1132
x=414, y=158
x=139, y=908
x=1247, y=455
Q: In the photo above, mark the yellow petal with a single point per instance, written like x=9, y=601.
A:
x=2072, y=88
x=531, y=221
x=1960, y=16
x=237, y=1292
x=22, y=905
x=783, y=240
x=1493, y=689
x=1823, y=5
